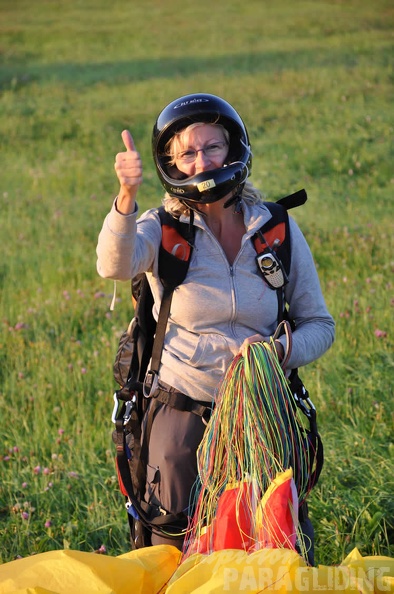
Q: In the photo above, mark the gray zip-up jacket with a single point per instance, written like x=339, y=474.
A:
x=218, y=306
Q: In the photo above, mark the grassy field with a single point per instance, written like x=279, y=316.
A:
x=313, y=82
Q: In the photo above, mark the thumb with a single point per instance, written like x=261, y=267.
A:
x=128, y=141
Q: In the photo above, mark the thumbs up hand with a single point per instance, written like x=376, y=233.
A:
x=128, y=169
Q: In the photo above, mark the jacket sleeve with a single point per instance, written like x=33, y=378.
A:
x=314, y=326
x=127, y=246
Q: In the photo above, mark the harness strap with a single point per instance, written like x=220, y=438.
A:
x=161, y=328
x=317, y=458
x=159, y=517
x=174, y=399
x=316, y=449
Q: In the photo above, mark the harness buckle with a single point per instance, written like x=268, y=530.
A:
x=151, y=383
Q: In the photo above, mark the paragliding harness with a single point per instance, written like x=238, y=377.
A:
x=143, y=342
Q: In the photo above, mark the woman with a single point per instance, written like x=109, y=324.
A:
x=203, y=158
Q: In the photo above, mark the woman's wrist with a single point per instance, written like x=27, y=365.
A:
x=124, y=207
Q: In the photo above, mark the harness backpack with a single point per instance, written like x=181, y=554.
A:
x=142, y=343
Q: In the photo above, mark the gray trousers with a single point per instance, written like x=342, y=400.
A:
x=172, y=464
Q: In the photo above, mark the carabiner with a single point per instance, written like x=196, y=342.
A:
x=117, y=408
x=130, y=405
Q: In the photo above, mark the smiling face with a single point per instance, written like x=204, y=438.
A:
x=200, y=147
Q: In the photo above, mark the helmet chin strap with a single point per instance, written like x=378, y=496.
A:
x=192, y=209
x=235, y=199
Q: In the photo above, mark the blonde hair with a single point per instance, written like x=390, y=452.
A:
x=174, y=206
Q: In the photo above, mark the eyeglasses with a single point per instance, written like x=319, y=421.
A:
x=212, y=150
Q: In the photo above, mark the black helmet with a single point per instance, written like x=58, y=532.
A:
x=208, y=186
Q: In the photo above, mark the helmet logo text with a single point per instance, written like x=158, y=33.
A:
x=191, y=102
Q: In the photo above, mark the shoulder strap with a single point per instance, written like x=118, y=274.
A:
x=293, y=200
x=273, y=246
x=275, y=235
x=176, y=248
x=174, y=258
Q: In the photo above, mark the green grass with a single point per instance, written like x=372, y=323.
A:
x=313, y=82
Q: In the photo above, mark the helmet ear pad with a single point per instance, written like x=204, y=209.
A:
x=235, y=151
x=174, y=173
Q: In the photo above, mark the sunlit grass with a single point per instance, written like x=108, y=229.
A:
x=313, y=83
